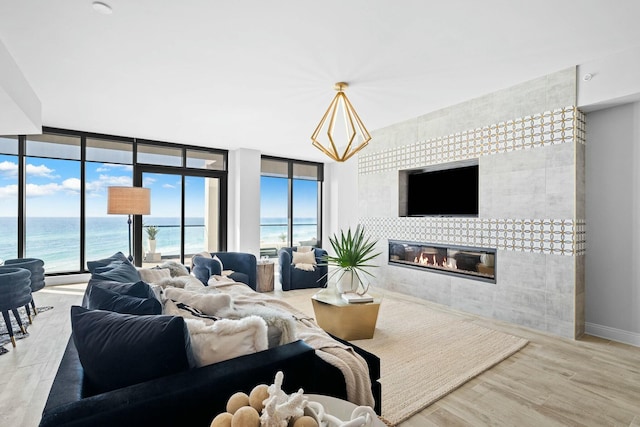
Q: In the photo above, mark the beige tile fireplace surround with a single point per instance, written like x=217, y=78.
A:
x=529, y=143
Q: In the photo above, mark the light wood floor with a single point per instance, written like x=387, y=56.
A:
x=551, y=382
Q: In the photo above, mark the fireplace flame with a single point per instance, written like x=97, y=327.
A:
x=430, y=259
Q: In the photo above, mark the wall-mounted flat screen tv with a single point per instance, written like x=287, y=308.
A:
x=445, y=192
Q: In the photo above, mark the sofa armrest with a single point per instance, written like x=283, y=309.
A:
x=191, y=398
x=373, y=362
x=284, y=265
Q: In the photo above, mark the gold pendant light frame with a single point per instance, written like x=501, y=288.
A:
x=354, y=126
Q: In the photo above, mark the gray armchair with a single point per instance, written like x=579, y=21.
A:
x=293, y=278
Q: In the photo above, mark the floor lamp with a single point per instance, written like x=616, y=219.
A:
x=128, y=201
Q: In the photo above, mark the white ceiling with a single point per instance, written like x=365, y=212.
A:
x=259, y=74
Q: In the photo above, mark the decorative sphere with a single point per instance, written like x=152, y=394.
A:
x=257, y=396
x=305, y=421
x=246, y=417
x=222, y=420
x=237, y=401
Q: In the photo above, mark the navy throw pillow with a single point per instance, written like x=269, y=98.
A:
x=119, y=271
x=102, y=298
x=138, y=289
x=118, y=350
x=203, y=268
x=118, y=256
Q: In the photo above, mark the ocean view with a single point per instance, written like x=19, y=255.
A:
x=56, y=240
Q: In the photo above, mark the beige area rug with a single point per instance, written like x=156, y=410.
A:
x=425, y=354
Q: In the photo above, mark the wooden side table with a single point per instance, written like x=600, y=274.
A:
x=265, y=276
x=354, y=321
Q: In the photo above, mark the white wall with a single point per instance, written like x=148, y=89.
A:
x=243, y=232
x=340, y=198
x=613, y=223
x=20, y=108
x=614, y=80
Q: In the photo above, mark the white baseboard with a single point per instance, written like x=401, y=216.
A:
x=613, y=334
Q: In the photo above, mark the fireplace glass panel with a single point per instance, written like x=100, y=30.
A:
x=477, y=263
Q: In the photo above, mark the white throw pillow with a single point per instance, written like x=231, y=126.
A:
x=226, y=338
x=304, y=248
x=304, y=257
x=153, y=275
x=208, y=303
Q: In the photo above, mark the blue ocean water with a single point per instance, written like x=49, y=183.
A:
x=56, y=240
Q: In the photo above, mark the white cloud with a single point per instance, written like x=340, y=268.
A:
x=72, y=184
x=107, y=167
x=105, y=181
x=8, y=191
x=168, y=186
x=41, y=171
x=148, y=182
x=34, y=190
x=8, y=168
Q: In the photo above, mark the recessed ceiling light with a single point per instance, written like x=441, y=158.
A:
x=101, y=7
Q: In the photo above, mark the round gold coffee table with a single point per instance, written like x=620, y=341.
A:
x=349, y=321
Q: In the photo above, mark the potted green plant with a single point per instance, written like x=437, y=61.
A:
x=353, y=255
x=152, y=232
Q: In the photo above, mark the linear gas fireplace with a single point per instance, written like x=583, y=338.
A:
x=476, y=263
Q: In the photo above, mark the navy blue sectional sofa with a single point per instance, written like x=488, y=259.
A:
x=93, y=396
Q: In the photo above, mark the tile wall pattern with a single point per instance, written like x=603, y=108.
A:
x=548, y=236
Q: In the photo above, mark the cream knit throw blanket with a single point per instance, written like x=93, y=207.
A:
x=352, y=365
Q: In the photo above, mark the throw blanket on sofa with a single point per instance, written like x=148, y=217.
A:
x=352, y=365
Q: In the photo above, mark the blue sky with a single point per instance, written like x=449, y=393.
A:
x=53, y=189
x=273, y=198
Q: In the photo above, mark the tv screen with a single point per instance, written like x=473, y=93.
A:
x=448, y=192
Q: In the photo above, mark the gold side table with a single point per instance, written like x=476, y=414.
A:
x=349, y=321
x=265, y=276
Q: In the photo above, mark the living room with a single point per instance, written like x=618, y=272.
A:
x=560, y=179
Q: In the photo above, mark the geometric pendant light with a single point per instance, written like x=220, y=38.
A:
x=340, y=141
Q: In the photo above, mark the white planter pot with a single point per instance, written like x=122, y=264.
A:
x=152, y=246
x=348, y=282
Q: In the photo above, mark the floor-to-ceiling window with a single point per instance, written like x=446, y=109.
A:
x=186, y=201
x=9, y=173
x=290, y=203
x=52, y=204
x=108, y=163
x=53, y=197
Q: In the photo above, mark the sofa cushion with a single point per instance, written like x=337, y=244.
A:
x=118, y=256
x=119, y=271
x=102, y=298
x=138, y=288
x=209, y=303
x=215, y=340
x=175, y=268
x=117, y=350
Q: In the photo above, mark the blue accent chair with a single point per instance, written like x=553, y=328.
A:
x=36, y=267
x=293, y=278
x=244, y=266
x=14, y=292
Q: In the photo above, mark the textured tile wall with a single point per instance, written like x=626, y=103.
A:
x=531, y=186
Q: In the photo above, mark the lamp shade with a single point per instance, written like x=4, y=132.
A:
x=128, y=200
